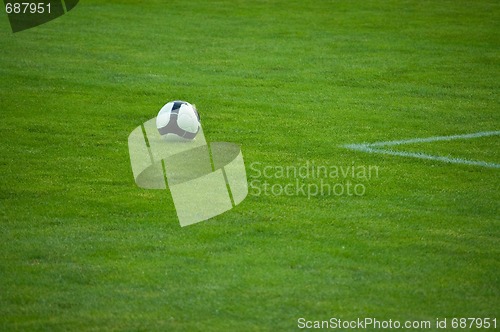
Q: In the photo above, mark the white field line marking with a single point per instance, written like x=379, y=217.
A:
x=376, y=148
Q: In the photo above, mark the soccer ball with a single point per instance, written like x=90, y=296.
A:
x=178, y=119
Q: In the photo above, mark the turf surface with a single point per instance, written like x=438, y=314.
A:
x=83, y=248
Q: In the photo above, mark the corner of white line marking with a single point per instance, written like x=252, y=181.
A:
x=375, y=147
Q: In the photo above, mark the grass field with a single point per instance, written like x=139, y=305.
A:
x=83, y=248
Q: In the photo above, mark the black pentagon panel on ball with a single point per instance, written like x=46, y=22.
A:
x=177, y=105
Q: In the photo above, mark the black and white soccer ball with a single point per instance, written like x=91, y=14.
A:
x=178, y=119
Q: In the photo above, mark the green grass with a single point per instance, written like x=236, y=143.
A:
x=83, y=248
